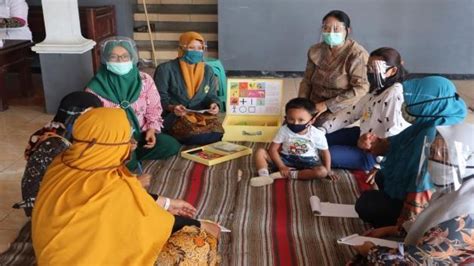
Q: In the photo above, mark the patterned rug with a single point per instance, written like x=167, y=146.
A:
x=271, y=225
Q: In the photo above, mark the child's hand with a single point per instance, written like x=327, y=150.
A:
x=333, y=176
x=284, y=171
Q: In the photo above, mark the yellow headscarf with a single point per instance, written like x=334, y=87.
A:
x=193, y=74
x=90, y=209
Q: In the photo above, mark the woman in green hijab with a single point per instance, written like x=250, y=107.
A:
x=120, y=84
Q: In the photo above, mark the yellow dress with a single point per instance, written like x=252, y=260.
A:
x=90, y=210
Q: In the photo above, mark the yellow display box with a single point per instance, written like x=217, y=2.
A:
x=253, y=109
x=216, y=153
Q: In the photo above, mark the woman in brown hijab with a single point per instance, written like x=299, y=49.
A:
x=185, y=84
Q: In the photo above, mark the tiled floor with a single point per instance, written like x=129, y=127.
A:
x=16, y=125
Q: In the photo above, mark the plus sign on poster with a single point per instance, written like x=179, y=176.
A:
x=254, y=96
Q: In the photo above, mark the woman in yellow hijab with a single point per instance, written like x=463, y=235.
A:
x=187, y=83
x=90, y=209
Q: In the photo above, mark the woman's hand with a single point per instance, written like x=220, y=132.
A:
x=179, y=110
x=182, y=208
x=321, y=108
x=214, y=109
x=133, y=144
x=364, y=248
x=150, y=139
x=366, y=141
x=382, y=232
x=369, y=142
x=144, y=180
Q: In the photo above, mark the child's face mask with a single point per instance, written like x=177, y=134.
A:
x=297, y=128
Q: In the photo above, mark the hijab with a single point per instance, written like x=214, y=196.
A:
x=433, y=102
x=193, y=74
x=122, y=90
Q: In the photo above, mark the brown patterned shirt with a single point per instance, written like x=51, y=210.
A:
x=337, y=77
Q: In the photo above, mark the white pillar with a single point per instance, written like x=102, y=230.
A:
x=65, y=55
x=63, y=29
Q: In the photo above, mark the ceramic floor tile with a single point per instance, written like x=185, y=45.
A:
x=14, y=220
x=10, y=191
x=7, y=237
x=9, y=154
x=11, y=176
x=23, y=113
x=23, y=129
x=14, y=171
x=4, y=164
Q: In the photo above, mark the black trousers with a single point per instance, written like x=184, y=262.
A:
x=180, y=222
x=377, y=208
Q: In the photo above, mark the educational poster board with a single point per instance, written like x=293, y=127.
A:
x=254, y=96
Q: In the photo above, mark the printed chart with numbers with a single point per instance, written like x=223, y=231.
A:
x=254, y=96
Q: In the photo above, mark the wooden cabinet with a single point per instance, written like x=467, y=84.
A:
x=97, y=23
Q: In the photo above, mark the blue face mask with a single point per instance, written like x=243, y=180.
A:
x=120, y=68
x=193, y=57
x=333, y=38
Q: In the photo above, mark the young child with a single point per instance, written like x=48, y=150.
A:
x=298, y=151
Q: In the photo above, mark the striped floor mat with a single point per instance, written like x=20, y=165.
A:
x=274, y=225
x=271, y=225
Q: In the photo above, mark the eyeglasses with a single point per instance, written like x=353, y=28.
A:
x=333, y=28
x=194, y=48
x=119, y=58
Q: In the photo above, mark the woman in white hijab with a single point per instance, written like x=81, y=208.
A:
x=444, y=232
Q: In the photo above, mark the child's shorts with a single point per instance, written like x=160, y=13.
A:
x=295, y=161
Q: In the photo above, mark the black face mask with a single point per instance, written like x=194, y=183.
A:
x=297, y=128
x=371, y=77
x=378, y=84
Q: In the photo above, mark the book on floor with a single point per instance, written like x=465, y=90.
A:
x=216, y=153
x=357, y=240
x=332, y=209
